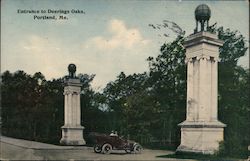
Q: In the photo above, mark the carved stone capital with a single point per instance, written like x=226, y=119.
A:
x=71, y=92
x=203, y=57
x=214, y=59
x=189, y=60
x=217, y=59
x=66, y=92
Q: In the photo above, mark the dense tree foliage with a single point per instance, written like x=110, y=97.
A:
x=234, y=105
x=32, y=108
x=145, y=106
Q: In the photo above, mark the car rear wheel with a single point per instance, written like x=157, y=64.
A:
x=106, y=148
x=137, y=149
x=97, y=149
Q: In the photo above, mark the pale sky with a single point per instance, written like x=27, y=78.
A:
x=112, y=36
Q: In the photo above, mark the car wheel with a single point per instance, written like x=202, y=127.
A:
x=106, y=148
x=137, y=149
x=127, y=150
x=97, y=149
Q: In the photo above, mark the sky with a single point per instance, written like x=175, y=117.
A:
x=111, y=36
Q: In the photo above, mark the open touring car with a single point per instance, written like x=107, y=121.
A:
x=106, y=143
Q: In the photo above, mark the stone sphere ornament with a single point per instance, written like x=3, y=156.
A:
x=202, y=16
x=72, y=70
x=202, y=12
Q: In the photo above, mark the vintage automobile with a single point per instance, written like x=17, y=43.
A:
x=106, y=143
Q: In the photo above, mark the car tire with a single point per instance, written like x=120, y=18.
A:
x=137, y=149
x=128, y=151
x=97, y=149
x=106, y=148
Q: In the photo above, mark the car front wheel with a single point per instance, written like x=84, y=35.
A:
x=137, y=149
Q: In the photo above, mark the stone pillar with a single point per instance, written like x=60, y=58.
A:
x=249, y=155
x=202, y=132
x=72, y=131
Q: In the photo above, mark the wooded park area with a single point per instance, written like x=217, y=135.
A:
x=146, y=107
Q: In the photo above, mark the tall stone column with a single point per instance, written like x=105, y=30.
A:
x=201, y=132
x=72, y=131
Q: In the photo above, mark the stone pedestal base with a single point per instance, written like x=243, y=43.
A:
x=201, y=137
x=72, y=135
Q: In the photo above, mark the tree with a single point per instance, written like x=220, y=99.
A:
x=146, y=106
x=117, y=93
x=234, y=107
x=144, y=102
x=32, y=107
x=168, y=83
x=158, y=100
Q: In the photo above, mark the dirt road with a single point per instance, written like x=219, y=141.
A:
x=17, y=149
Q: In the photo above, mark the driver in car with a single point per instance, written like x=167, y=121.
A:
x=113, y=133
